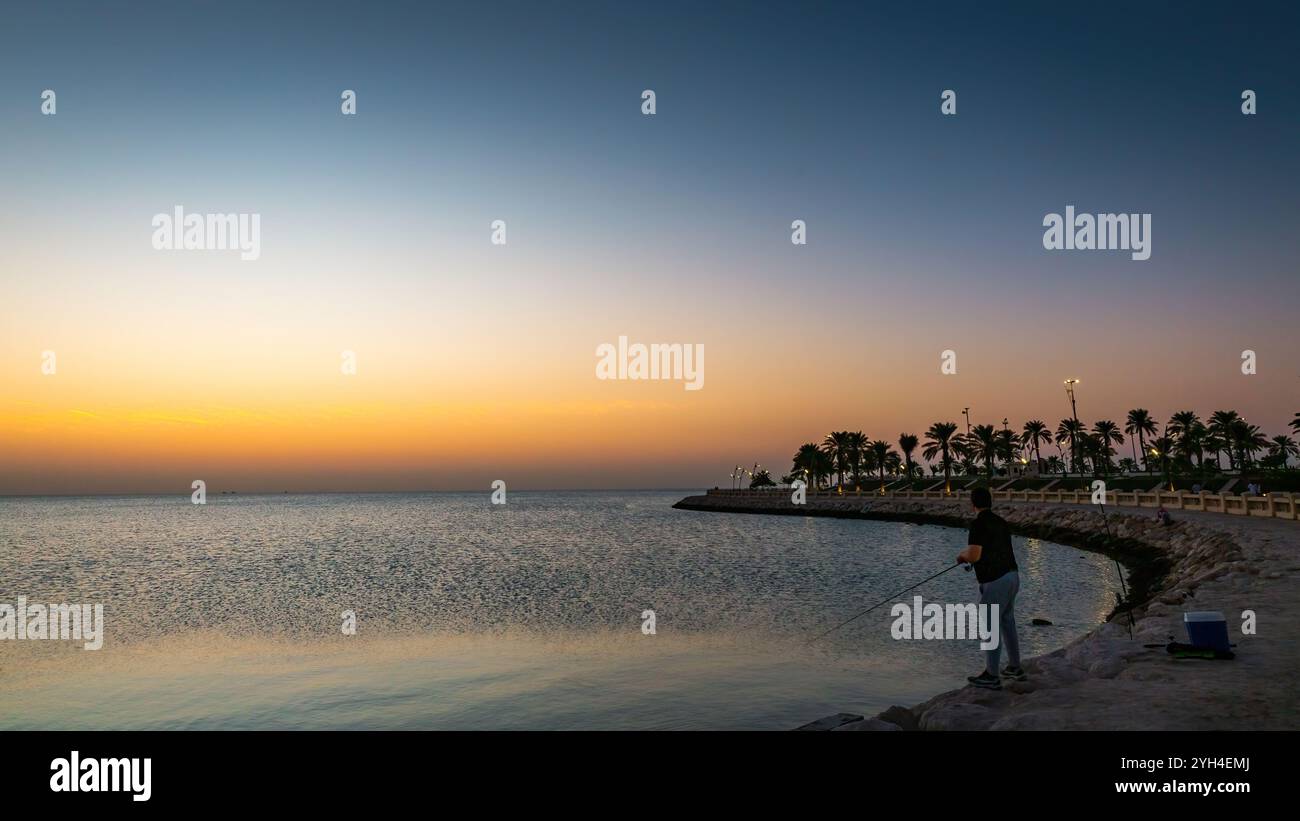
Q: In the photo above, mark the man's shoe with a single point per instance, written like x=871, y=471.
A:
x=1015, y=673
x=988, y=682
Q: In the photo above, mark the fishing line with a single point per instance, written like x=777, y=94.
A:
x=888, y=600
x=1119, y=570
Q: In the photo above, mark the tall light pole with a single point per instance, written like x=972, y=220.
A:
x=1074, y=414
x=1007, y=439
x=966, y=413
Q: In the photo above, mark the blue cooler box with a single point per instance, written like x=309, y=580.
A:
x=1207, y=628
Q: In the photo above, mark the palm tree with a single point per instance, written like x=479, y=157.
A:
x=1053, y=464
x=1194, y=442
x=804, y=462
x=1186, y=429
x=1249, y=440
x=761, y=479
x=1072, y=431
x=1295, y=423
x=1180, y=422
x=857, y=443
x=938, y=441
x=1127, y=465
x=812, y=463
x=1107, y=432
x=1091, y=451
x=1141, y=425
x=1282, y=448
x=907, y=443
x=868, y=459
x=836, y=446
x=895, y=463
x=964, y=449
x=1213, y=443
x=1221, y=425
x=1034, y=433
x=1161, y=448
x=983, y=444
x=880, y=449
x=1008, y=446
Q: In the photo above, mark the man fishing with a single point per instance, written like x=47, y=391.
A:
x=988, y=550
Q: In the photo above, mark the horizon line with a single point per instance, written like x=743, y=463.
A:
x=187, y=492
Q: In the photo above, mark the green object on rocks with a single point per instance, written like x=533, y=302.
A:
x=1190, y=651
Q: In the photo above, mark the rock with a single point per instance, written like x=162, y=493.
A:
x=1192, y=564
x=1028, y=721
x=830, y=722
x=1209, y=575
x=1106, y=667
x=1080, y=654
x=901, y=716
x=958, y=716
x=869, y=725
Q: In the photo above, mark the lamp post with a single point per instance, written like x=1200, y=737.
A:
x=1074, y=414
x=966, y=413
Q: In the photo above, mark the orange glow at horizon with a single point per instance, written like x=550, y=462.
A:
x=160, y=382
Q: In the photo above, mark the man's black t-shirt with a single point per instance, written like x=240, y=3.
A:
x=991, y=533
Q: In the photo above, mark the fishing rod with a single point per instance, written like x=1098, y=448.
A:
x=888, y=600
x=1120, y=572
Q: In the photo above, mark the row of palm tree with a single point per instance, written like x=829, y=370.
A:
x=1184, y=443
x=851, y=455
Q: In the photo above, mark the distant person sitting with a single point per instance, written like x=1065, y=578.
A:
x=1196, y=488
x=1163, y=516
x=988, y=550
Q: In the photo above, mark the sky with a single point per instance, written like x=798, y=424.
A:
x=476, y=361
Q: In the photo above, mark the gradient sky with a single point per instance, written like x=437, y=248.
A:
x=477, y=362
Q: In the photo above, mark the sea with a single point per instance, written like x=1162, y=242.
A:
x=564, y=610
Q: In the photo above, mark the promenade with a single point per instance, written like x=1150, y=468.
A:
x=1104, y=680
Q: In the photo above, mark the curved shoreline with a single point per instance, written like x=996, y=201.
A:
x=1104, y=679
x=1147, y=565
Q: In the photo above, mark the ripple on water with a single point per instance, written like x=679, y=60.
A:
x=473, y=615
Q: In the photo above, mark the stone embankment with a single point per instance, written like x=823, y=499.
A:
x=1104, y=679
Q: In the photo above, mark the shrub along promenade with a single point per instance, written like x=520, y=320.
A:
x=1228, y=553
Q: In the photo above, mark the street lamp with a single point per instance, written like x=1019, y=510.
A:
x=966, y=413
x=1074, y=413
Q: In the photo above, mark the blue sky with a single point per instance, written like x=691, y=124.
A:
x=924, y=230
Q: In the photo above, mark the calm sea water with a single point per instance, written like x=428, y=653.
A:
x=471, y=615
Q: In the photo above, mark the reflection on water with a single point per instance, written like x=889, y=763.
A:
x=479, y=616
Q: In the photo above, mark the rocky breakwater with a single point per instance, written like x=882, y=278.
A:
x=1105, y=679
